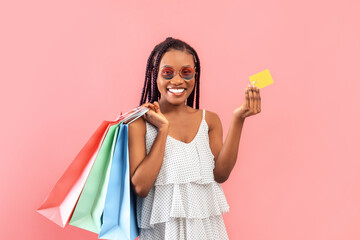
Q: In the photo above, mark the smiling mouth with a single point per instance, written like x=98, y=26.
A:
x=176, y=91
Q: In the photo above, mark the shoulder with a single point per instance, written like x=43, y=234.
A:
x=212, y=119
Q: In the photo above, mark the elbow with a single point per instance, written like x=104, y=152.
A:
x=220, y=176
x=220, y=179
x=141, y=191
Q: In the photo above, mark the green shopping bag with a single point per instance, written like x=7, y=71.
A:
x=89, y=208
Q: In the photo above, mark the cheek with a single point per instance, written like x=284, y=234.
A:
x=191, y=86
x=160, y=86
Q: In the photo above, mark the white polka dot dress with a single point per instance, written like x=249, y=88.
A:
x=185, y=202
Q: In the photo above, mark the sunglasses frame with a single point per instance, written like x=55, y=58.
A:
x=178, y=72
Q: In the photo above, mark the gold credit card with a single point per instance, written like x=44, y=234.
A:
x=261, y=79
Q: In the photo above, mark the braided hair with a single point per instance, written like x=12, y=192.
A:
x=150, y=90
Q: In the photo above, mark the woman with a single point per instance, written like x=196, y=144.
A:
x=177, y=156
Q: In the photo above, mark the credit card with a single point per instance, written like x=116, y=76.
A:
x=261, y=79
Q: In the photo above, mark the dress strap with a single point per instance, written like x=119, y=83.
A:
x=203, y=114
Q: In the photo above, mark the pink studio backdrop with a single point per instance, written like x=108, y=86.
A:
x=66, y=66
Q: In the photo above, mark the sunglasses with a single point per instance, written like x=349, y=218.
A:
x=186, y=72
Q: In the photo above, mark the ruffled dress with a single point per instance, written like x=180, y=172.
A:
x=185, y=202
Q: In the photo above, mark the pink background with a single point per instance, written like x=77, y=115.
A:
x=68, y=65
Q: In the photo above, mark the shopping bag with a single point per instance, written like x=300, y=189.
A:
x=62, y=199
x=60, y=203
x=89, y=208
x=119, y=217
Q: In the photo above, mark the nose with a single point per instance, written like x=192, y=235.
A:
x=177, y=79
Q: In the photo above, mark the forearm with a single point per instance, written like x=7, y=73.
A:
x=227, y=157
x=148, y=170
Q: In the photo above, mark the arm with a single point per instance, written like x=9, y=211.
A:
x=225, y=154
x=144, y=168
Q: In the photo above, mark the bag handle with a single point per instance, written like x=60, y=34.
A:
x=127, y=114
x=137, y=115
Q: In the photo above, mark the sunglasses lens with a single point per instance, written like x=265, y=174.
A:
x=187, y=72
x=167, y=72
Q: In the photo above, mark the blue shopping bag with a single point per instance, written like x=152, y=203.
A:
x=119, y=216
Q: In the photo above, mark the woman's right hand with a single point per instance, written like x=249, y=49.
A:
x=154, y=115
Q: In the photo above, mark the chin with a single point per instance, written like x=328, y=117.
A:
x=179, y=101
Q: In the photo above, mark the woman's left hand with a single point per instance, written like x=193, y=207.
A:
x=252, y=104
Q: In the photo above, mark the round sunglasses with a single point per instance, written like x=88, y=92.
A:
x=186, y=72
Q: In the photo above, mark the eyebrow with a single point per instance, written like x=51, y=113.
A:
x=172, y=66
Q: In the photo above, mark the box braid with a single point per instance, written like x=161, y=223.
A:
x=150, y=90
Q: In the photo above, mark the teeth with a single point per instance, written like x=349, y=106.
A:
x=176, y=90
